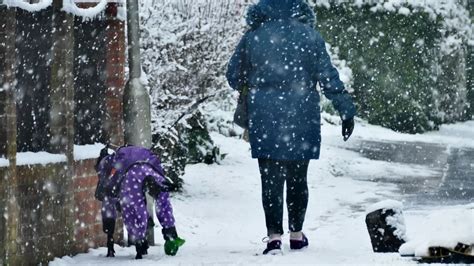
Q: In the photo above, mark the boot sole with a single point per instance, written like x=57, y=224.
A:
x=275, y=252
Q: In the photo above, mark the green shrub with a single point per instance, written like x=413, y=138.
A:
x=403, y=79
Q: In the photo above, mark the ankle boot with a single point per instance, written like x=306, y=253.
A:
x=299, y=244
x=139, y=249
x=110, y=246
x=273, y=247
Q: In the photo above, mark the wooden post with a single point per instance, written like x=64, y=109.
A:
x=115, y=82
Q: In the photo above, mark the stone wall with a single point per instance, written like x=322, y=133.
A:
x=46, y=210
x=48, y=203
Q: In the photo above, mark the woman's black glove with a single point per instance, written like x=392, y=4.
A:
x=347, y=128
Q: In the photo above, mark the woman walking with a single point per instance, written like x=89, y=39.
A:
x=279, y=61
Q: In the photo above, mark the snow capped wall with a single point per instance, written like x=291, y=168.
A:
x=43, y=158
x=83, y=152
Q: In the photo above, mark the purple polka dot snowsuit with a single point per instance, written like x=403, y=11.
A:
x=128, y=172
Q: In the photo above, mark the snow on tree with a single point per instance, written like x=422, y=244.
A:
x=185, y=52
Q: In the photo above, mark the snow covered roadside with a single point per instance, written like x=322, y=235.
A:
x=220, y=214
x=456, y=135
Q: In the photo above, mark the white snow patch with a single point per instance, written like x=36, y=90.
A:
x=385, y=205
x=83, y=152
x=4, y=162
x=446, y=227
x=404, y=11
x=27, y=6
x=397, y=221
x=43, y=158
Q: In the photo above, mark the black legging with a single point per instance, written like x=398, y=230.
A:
x=274, y=174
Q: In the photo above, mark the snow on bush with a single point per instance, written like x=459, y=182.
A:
x=185, y=51
x=456, y=17
x=345, y=74
x=409, y=58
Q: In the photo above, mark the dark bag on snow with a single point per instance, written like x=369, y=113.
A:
x=241, y=116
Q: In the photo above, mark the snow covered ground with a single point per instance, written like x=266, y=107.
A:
x=220, y=214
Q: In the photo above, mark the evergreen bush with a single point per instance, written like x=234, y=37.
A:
x=409, y=69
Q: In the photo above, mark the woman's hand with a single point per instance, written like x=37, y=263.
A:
x=347, y=128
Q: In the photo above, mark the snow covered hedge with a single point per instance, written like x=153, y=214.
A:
x=185, y=46
x=409, y=59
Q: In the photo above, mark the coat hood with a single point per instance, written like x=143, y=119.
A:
x=267, y=10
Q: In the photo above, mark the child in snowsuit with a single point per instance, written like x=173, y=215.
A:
x=124, y=177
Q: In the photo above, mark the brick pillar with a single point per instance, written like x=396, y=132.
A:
x=115, y=68
x=62, y=107
x=115, y=82
x=62, y=83
x=9, y=209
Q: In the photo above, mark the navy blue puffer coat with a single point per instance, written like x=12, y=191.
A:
x=281, y=59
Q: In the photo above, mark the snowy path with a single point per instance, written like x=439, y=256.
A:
x=220, y=214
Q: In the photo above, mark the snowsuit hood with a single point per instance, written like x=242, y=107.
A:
x=268, y=10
